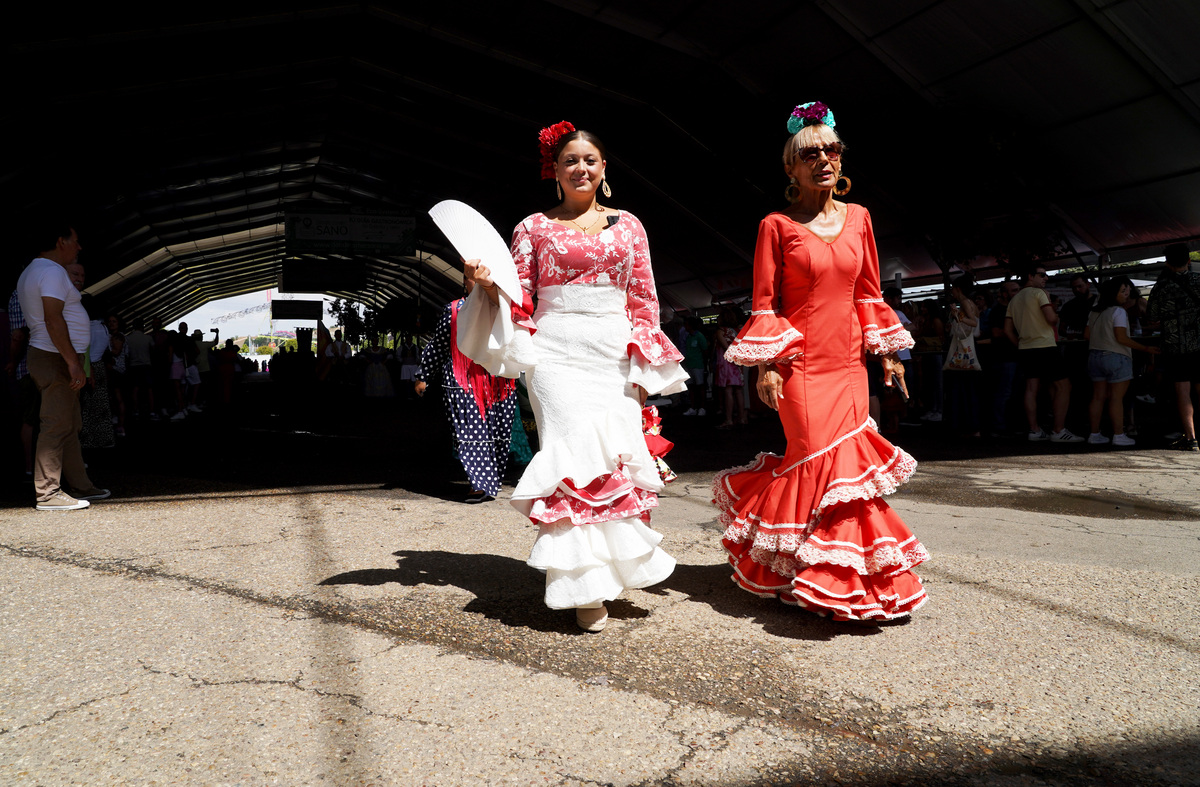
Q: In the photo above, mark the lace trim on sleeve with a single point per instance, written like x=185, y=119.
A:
x=882, y=341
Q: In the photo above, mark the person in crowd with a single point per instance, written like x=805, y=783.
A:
x=28, y=399
x=188, y=345
x=140, y=369
x=598, y=352
x=1175, y=304
x=931, y=341
x=204, y=360
x=479, y=406
x=1029, y=323
x=1075, y=314
x=811, y=527
x=337, y=353
x=97, y=429
x=887, y=403
x=962, y=385
x=728, y=377
x=377, y=382
x=161, y=365
x=116, y=367
x=58, y=336
x=1110, y=360
x=695, y=361
x=1001, y=372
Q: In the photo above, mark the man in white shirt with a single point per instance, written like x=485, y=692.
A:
x=59, y=332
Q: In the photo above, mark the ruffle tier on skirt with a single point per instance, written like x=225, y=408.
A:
x=592, y=485
x=815, y=533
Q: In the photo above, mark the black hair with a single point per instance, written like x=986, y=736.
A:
x=963, y=282
x=1177, y=255
x=42, y=233
x=586, y=136
x=1109, y=290
x=893, y=292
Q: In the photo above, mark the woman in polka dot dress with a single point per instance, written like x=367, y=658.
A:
x=480, y=407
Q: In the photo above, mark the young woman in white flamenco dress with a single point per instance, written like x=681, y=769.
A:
x=587, y=335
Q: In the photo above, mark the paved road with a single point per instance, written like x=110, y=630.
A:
x=213, y=625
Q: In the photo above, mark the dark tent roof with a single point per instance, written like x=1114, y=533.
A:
x=1059, y=127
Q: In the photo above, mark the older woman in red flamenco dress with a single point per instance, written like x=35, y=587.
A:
x=811, y=527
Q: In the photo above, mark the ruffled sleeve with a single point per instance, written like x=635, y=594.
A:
x=654, y=360
x=766, y=337
x=883, y=332
x=525, y=257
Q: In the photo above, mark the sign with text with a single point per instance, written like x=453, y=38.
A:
x=322, y=276
x=349, y=231
x=296, y=310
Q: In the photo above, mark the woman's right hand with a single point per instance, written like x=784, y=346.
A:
x=770, y=386
x=420, y=387
x=482, y=276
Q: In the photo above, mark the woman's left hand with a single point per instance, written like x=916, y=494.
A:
x=892, y=365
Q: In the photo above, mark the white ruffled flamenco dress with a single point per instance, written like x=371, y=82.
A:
x=593, y=335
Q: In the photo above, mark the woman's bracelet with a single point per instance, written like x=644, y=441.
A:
x=489, y=289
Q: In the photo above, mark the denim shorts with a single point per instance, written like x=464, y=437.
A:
x=1108, y=367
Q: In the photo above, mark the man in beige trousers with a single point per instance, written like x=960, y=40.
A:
x=58, y=335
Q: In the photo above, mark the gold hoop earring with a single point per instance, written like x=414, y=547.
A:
x=604, y=187
x=792, y=192
x=842, y=191
x=558, y=189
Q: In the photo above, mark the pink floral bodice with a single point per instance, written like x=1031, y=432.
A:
x=548, y=254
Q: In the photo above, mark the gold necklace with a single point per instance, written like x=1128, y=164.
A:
x=584, y=230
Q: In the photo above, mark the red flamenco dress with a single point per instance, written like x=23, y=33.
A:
x=811, y=527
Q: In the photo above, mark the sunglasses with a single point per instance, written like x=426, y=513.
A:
x=833, y=152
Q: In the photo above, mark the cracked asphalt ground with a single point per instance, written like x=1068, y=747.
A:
x=302, y=600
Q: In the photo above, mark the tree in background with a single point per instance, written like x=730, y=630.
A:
x=347, y=315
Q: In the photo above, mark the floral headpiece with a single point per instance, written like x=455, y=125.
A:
x=814, y=113
x=548, y=141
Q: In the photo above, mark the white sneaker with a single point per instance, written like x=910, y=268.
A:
x=701, y=411
x=932, y=418
x=61, y=501
x=1146, y=399
x=1095, y=438
x=1123, y=440
x=191, y=408
x=179, y=416
x=1065, y=436
x=1038, y=436
x=690, y=411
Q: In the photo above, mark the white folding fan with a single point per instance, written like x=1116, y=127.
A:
x=475, y=239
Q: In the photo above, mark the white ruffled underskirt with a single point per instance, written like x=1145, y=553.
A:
x=587, y=565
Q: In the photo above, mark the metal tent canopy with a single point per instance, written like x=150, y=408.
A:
x=975, y=127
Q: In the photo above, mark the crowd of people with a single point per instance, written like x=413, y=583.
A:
x=1010, y=360
x=840, y=360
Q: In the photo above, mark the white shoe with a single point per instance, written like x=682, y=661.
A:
x=1123, y=440
x=1146, y=399
x=191, y=408
x=1095, y=438
x=701, y=411
x=690, y=411
x=1065, y=436
x=933, y=418
x=591, y=619
x=179, y=416
x=1038, y=436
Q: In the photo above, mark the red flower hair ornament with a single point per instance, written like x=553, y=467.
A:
x=548, y=142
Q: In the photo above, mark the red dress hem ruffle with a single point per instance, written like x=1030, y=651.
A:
x=816, y=533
